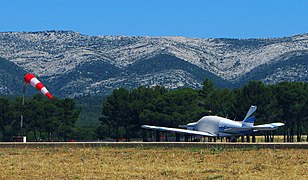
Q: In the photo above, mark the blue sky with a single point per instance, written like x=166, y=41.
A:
x=190, y=18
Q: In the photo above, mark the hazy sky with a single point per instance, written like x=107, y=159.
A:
x=190, y=18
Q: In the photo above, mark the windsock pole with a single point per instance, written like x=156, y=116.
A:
x=22, y=108
x=32, y=80
x=23, y=93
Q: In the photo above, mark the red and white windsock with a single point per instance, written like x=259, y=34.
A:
x=31, y=79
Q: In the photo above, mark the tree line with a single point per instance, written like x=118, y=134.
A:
x=124, y=111
x=42, y=119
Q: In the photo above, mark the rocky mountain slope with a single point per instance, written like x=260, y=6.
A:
x=72, y=64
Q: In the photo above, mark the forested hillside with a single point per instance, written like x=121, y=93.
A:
x=10, y=81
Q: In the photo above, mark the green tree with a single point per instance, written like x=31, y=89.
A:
x=16, y=109
x=4, y=116
x=173, y=108
x=34, y=116
x=219, y=101
x=292, y=99
x=115, y=111
x=207, y=88
x=140, y=98
x=257, y=93
x=68, y=115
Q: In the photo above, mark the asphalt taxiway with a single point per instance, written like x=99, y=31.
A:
x=293, y=145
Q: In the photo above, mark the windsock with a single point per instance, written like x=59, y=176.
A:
x=31, y=79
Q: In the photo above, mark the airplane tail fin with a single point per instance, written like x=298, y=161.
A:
x=249, y=120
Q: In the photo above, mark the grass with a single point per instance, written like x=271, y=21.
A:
x=152, y=163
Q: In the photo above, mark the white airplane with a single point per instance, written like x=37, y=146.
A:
x=215, y=126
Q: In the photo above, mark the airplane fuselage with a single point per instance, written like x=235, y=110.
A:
x=218, y=126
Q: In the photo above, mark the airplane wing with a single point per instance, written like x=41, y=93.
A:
x=262, y=127
x=177, y=130
x=267, y=127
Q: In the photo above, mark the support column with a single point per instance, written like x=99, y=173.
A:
x=177, y=137
x=248, y=137
x=144, y=135
x=186, y=138
x=166, y=137
x=253, y=138
x=157, y=136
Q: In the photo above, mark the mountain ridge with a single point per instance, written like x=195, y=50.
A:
x=75, y=64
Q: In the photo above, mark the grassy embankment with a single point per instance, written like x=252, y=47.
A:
x=152, y=163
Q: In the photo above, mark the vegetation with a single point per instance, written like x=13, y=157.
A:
x=42, y=119
x=152, y=163
x=124, y=111
x=10, y=75
x=121, y=114
x=162, y=62
x=90, y=110
x=268, y=70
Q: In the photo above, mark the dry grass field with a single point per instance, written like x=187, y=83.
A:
x=152, y=163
